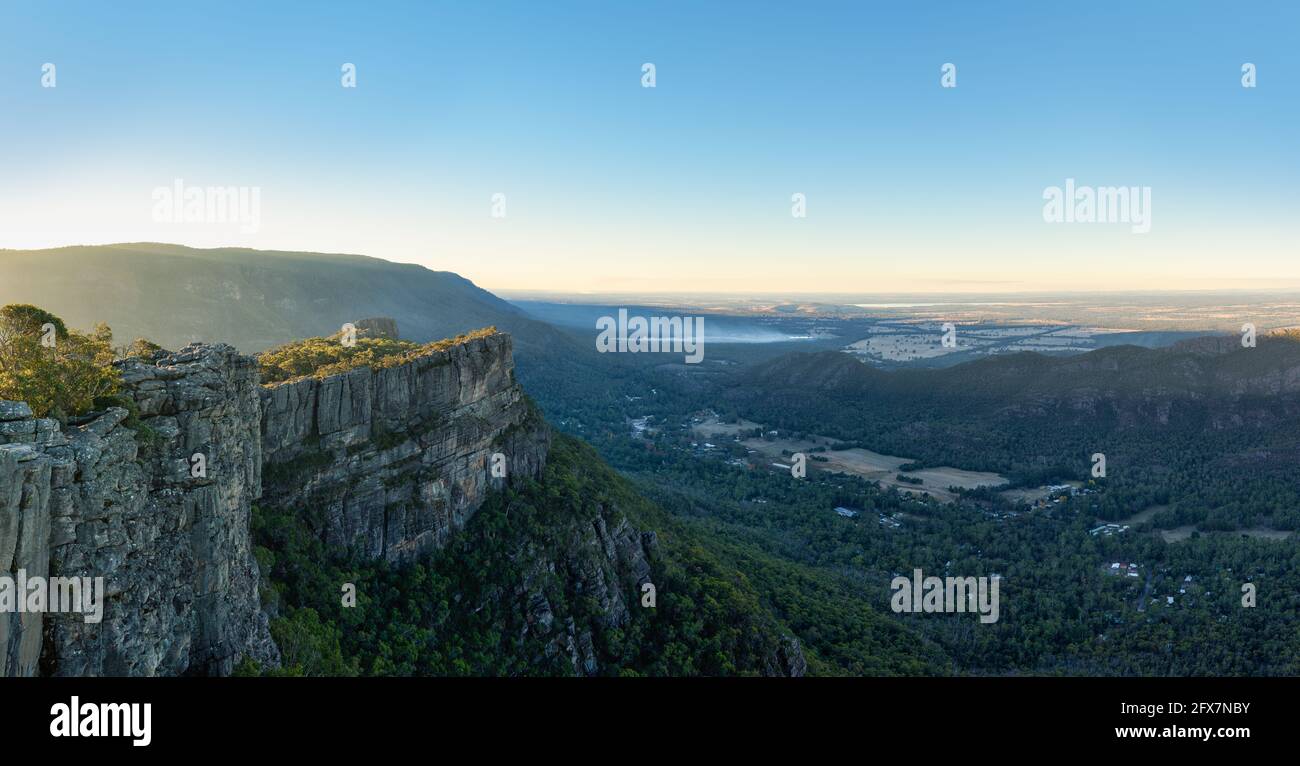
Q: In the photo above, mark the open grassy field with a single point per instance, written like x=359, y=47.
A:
x=873, y=466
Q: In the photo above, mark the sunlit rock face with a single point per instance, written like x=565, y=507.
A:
x=389, y=462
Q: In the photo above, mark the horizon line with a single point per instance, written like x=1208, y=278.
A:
x=720, y=293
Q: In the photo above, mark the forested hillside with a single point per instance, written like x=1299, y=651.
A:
x=251, y=299
x=1169, y=421
x=1206, y=427
x=541, y=581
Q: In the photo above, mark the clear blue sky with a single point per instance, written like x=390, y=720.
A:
x=610, y=186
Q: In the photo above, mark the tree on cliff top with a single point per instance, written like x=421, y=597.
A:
x=57, y=371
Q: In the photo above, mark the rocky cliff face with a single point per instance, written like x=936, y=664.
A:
x=25, y=484
x=126, y=503
x=385, y=464
x=605, y=560
x=389, y=462
x=575, y=586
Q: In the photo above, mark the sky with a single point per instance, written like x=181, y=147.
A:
x=515, y=143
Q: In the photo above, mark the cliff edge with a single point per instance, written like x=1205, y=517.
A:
x=156, y=497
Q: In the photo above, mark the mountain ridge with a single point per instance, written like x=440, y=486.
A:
x=1199, y=366
x=174, y=295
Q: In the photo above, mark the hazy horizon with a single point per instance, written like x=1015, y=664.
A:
x=836, y=296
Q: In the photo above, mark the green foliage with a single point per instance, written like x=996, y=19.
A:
x=59, y=381
x=1220, y=461
x=322, y=357
x=141, y=347
x=1179, y=427
x=25, y=319
x=307, y=643
x=464, y=611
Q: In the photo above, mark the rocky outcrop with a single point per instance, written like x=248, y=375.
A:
x=389, y=462
x=377, y=327
x=569, y=583
x=155, y=497
x=605, y=560
x=790, y=660
x=157, y=500
x=158, y=507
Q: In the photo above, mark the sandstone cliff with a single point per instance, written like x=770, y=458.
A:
x=158, y=502
x=389, y=462
x=104, y=499
x=382, y=465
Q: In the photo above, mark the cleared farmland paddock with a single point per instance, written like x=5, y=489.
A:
x=874, y=466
